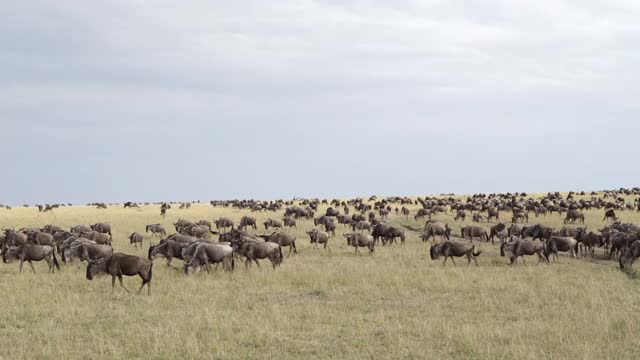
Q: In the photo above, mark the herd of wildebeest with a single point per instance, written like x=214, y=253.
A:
x=364, y=223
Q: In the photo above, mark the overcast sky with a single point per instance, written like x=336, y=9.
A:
x=186, y=100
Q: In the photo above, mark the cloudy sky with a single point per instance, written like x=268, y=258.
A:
x=184, y=100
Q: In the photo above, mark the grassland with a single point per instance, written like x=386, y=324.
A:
x=395, y=304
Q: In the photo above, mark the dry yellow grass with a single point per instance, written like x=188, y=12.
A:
x=395, y=304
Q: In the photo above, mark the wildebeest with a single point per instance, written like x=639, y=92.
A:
x=198, y=231
x=40, y=238
x=574, y=215
x=495, y=229
x=120, y=264
x=168, y=248
x=454, y=248
x=630, y=255
x=85, y=250
x=520, y=216
x=289, y=222
x=247, y=221
x=610, y=214
x=102, y=228
x=472, y=232
x=514, y=230
x=537, y=231
x=361, y=225
x=29, y=253
x=272, y=223
x=78, y=229
x=254, y=250
x=156, y=229
x=135, y=239
x=361, y=240
x=211, y=253
x=558, y=243
x=518, y=248
x=98, y=237
x=319, y=237
x=224, y=223
x=435, y=228
x=283, y=239
x=588, y=241
x=460, y=214
x=493, y=214
x=393, y=233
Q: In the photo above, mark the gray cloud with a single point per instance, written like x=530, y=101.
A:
x=136, y=100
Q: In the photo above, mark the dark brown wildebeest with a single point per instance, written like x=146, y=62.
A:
x=361, y=240
x=14, y=238
x=454, y=248
x=493, y=213
x=51, y=229
x=272, y=223
x=156, y=229
x=630, y=255
x=574, y=215
x=588, y=241
x=224, y=223
x=495, y=229
x=405, y=212
x=460, y=214
x=393, y=233
x=610, y=215
x=558, y=243
x=136, y=239
x=433, y=228
x=289, y=222
x=518, y=248
x=319, y=237
x=120, y=264
x=283, y=239
x=332, y=212
x=247, y=221
x=168, y=248
x=537, y=231
x=330, y=227
x=471, y=232
x=514, y=230
x=29, y=253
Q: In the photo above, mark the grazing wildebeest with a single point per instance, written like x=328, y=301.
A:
x=247, y=221
x=253, y=250
x=380, y=231
x=630, y=255
x=433, y=228
x=493, y=214
x=135, y=239
x=574, y=215
x=471, y=232
x=29, y=253
x=537, y=231
x=361, y=240
x=85, y=250
x=455, y=247
x=610, y=215
x=224, y=223
x=283, y=239
x=558, y=243
x=319, y=237
x=156, y=229
x=211, y=253
x=460, y=214
x=588, y=241
x=100, y=238
x=168, y=248
x=79, y=229
x=276, y=224
x=102, y=228
x=495, y=229
x=289, y=222
x=421, y=213
x=518, y=248
x=393, y=233
x=361, y=225
x=120, y=264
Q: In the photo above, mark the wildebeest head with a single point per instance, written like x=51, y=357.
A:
x=97, y=267
x=434, y=252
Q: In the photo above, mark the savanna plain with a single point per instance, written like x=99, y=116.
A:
x=395, y=304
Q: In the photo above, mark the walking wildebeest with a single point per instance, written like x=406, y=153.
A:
x=120, y=264
x=433, y=228
x=276, y=224
x=518, y=248
x=136, y=239
x=610, y=215
x=558, y=243
x=247, y=221
x=156, y=229
x=319, y=237
x=361, y=240
x=224, y=223
x=474, y=232
x=283, y=239
x=455, y=247
x=29, y=253
x=211, y=253
x=630, y=255
x=168, y=248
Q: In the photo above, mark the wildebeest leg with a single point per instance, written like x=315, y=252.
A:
x=454, y=261
x=113, y=283
x=247, y=263
x=256, y=261
x=32, y=268
x=475, y=260
x=50, y=263
x=121, y=283
x=445, y=261
x=293, y=245
x=21, y=262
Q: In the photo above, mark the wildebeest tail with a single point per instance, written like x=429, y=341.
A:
x=476, y=253
x=55, y=260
